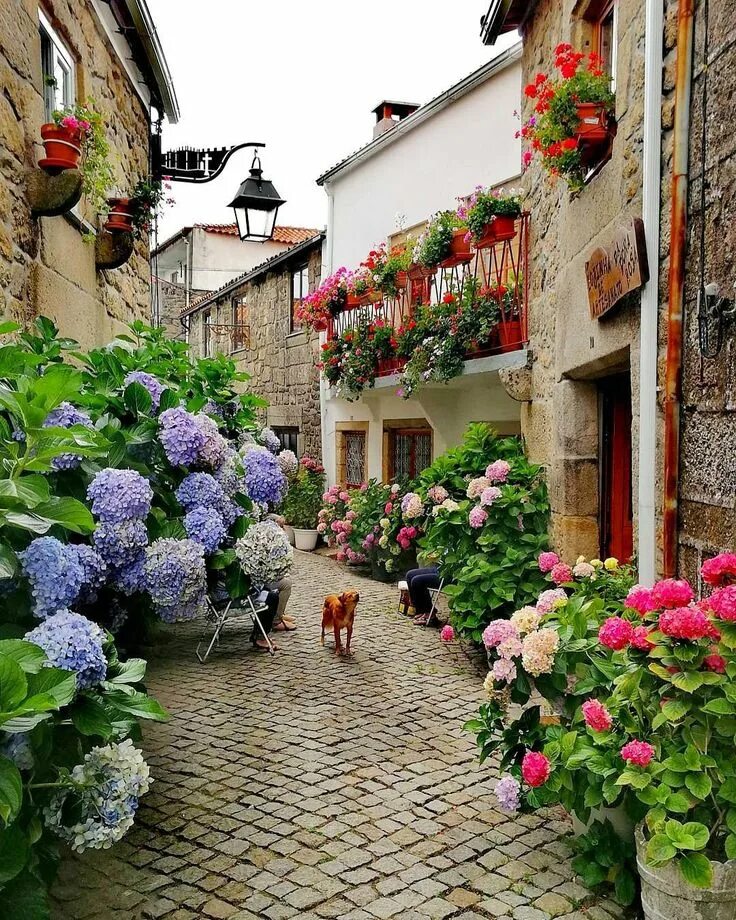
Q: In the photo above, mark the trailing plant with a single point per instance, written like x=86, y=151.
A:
x=385, y=266
x=97, y=174
x=317, y=308
x=149, y=197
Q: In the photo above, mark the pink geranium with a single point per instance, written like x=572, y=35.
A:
x=639, y=753
x=688, y=623
x=547, y=561
x=596, y=716
x=672, y=592
x=447, y=633
x=535, y=768
x=561, y=573
x=723, y=603
x=640, y=599
x=720, y=570
x=615, y=633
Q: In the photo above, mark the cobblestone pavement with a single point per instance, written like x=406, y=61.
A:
x=312, y=787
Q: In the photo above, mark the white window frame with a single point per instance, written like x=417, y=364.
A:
x=62, y=60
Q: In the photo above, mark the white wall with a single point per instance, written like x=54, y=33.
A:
x=470, y=142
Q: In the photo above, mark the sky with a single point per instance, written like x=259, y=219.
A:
x=302, y=76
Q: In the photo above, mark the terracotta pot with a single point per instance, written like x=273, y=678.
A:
x=488, y=237
x=353, y=300
x=402, y=279
x=504, y=228
x=120, y=216
x=509, y=334
x=420, y=272
x=592, y=123
x=63, y=148
x=460, y=251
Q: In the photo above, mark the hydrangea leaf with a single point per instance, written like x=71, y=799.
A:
x=11, y=798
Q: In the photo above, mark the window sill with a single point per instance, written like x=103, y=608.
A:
x=296, y=338
x=239, y=352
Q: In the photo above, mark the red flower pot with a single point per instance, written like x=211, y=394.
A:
x=120, y=216
x=63, y=148
x=509, y=334
x=504, y=228
x=402, y=279
x=592, y=125
x=419, y=272
x=494, y=339
x=353, y=300
x=319, y=325
x=460, y=252
x=487, y=237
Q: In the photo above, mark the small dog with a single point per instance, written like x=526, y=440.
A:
x=338, y=612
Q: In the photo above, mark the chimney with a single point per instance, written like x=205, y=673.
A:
x=388, y=114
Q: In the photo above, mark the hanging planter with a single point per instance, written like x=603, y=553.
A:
x=492, y=215
x=353, y=300
x=460, y=251
x=63, y=146
x=120, y=215
x=402, y=279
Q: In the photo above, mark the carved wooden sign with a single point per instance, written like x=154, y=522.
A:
x=617, y=268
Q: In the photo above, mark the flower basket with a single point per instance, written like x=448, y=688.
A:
x=63, y=148
x=593, y=128
x=120, y=215
x=509, y=334
x=460, y=251
x=488, y=237
x=504, y=228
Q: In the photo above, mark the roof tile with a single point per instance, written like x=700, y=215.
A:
x=288, y=235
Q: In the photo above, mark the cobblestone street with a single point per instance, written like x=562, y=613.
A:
x=309, y=786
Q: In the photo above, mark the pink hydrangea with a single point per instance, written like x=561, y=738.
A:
x=685, y=623
x=344, y=496
x=672, y=592
x=551, y=599
x=715, y=663
x=640, y=639
x=638, y=752
x=477, y=517
x=321, y=527
x=388, y=507
x=561, y=573
x=350, y=516
x=341, y=556
x=510, y=648
x=615, y=633
x=538, y=651
x=504, y=670
x=547, y=561
x=583, y=570
x=476, y=487
x=720, y=570
x=447, y=633
x=498, y=631
x=723, y=603
x=498, y=471
x=488, y=496
x=596, y=716
x=437, y=494
x=535, y=768
x=640, y=599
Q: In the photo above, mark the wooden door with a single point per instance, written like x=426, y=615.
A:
x=616, y=503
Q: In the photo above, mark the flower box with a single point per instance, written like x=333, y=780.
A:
x=402, y=279
x=488, y=237
x=509, y=334
x=504, y=228
x=593, y=127
x=63, y=147
x=460, y=251
x=120, y=215
x=419, y=272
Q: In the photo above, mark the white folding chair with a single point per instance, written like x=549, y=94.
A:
x=220, y=613
x=434, y=593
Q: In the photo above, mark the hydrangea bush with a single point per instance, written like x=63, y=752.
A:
x=264, y=553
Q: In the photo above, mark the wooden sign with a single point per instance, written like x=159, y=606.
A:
x=616, y=269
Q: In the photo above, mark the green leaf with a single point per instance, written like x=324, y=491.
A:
x=624, y=887
x=727, y=790
x=688, y=681
x=678, y=803
x=719, y=707
x=8, y=562
x=131, y=671
x=660, y=848
x=57, y=683
x=13, y=684
x=731, y=846
x=25, y=899
x=90, y=718
x=697, y=870
x=137, y=399
x=139, y=704
x=13, y=854
x=69, y=512
x=11, y=790
x=699, y=832
x=675, y=709
x=29, y=656
x=699, y=784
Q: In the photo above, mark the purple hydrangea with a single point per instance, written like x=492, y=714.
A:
x=230, y=512
x=74, y=643
x=214, y=450
x=120, y=495
x=200, y=490
x=270, y=440
x=131, y=577
x=54, y=572
x=230, y=474
x=181, y=437
x=64, y=416
x=94, y=570
x=264, y=479
x=152, y=384
x=205, y=526
x=507, y=792
x=176, y=577
x=120, y=544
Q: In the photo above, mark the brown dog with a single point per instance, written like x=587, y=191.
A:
x=338, y=612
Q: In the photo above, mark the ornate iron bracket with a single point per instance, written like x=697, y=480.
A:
x=189, y=164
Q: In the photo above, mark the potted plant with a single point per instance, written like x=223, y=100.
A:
x=389, y=268
x=318, y=308
x=120, y=215
x=76, y=138
x=136, y=214
x=302, y=503
x=442, y=241
x=509, y=299
x=491, y=215
x=573, y=118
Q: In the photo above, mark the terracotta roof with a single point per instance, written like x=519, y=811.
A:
x=288, y=235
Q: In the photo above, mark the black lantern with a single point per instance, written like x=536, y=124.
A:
x=256, y=205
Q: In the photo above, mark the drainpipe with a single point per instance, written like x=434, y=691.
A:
x=647, y=455
x=675, y=306
x=188, y=289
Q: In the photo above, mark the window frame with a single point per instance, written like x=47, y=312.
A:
x=608, y=8
x=206, y=334
x=301, y=271
x=288, y=436
x=54, y=45
x=412, y=432
x=240, y=335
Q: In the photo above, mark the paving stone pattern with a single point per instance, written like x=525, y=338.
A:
x=313, y=787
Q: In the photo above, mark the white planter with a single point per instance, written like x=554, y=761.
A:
x=665, y=895
x=622, y=823
x=305, y=539
x=289, y=531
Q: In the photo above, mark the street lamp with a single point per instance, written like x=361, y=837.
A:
x=256, y=205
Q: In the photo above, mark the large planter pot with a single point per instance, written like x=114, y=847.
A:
x=120, y=215
x=63, y=148
x=621, y=822
x=305, y=539
x=665, y=895
x=509, y=335
x=592, y=125
x=289, y=531
x=460, y=251
x=504, y=228
x=353, y=300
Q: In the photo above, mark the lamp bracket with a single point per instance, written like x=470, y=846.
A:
x=190, y=164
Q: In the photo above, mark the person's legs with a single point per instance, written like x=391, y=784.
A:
x=283, y=589
x=267, y=618
x=421, y=585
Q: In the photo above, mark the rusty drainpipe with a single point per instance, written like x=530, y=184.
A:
x=675, y=306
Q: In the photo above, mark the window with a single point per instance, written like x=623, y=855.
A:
x=605, y=22
x=57, y=67
x=207, y=334
x=354, y=448
x=410, y=452
x=288, y=435
x=241, y=330
x=299, y=290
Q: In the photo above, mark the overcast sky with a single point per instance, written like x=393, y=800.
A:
x=302, y=76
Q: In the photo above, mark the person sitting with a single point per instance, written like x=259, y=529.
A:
x=419, y=582
x=270, y=600
x=283, y=622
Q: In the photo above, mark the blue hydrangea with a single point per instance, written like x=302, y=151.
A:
x=17, y=747
x=151, y=383
x=264, y=479
x=94, y=568
x=230, y=474
x=54, y=572
x=176, y=577
x=230, y=512
x=131, y=578
x=205, y=526
x=214, y=450
x=212, y=409
x=64, y=416
x=181, y=437
x=74, y=643
x=120, y=544
x=200, y=490
x=120, y=495
x=270, y=440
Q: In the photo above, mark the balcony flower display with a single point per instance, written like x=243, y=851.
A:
x=490, y=215
x=389, y=268
x=573, y=114
x=442, y=239
x=350, y=361
x=317, y=308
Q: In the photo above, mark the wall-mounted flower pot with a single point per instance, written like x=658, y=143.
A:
x=63, y=148
x=487, y=237
x=592, y=128
x=504, y=228
x=460, y=251
x=419, y=272
x=509, y=335
x=120, y=216
x=353, y=300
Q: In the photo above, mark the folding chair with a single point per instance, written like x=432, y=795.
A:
x=219, y=612
x=434, y=593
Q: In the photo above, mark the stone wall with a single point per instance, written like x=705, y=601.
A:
x=281, y=365
x=45, y=267
x=570, y=351
x=169, y=299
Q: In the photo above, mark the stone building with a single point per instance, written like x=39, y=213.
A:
x=251, y=319
x=602, y=397
x=56, y=53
